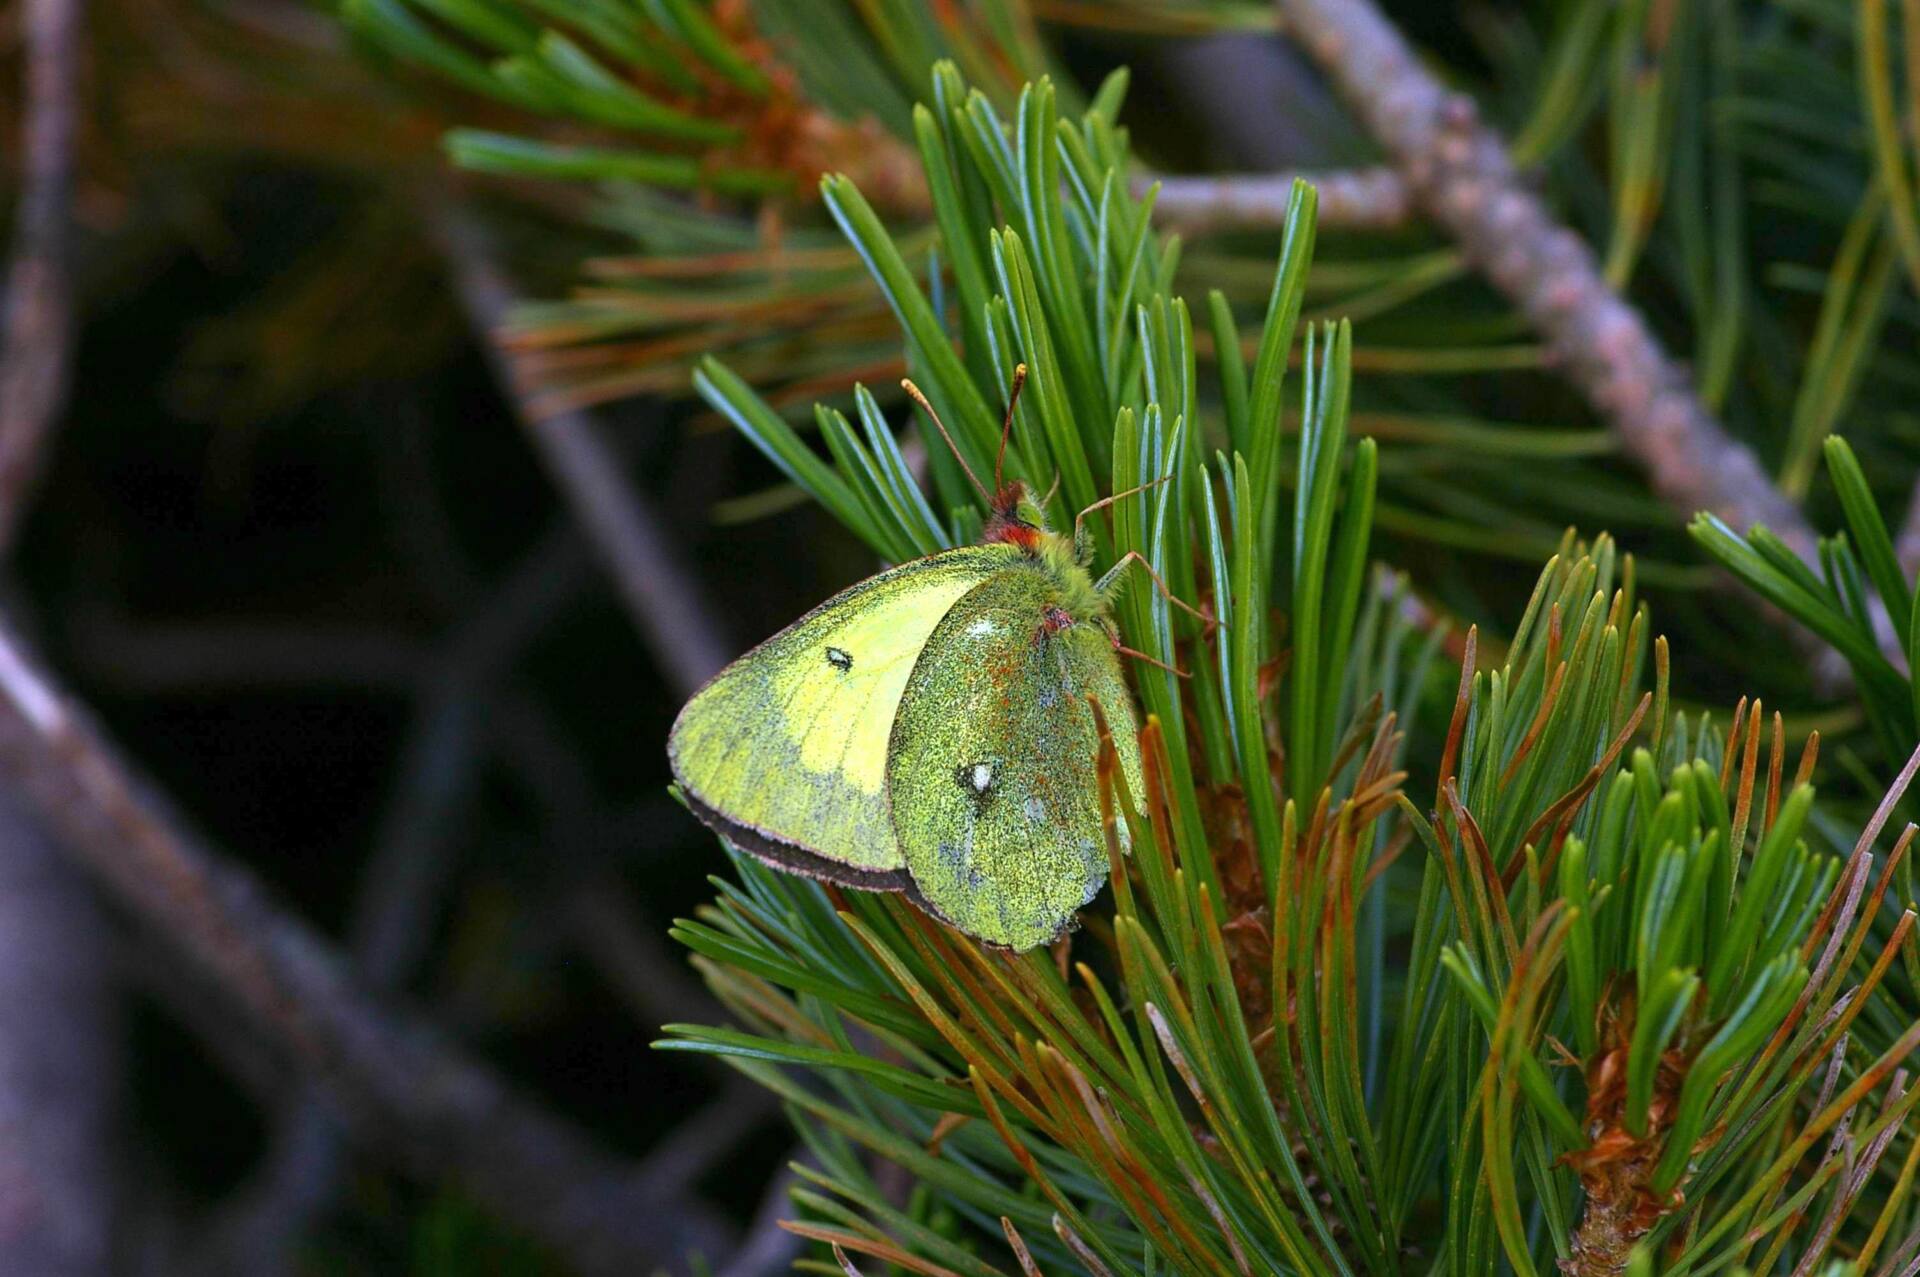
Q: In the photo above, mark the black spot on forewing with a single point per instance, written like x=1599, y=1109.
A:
x=840, y=659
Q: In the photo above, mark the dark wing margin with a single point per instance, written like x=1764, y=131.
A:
x=791, y=857
x=784, y=751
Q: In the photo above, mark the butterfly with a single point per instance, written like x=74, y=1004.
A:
x=930, y=730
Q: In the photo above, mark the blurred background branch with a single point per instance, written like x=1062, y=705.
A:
x=58, y=1060
x=59, y=1023
x=667, y=608
x=396, y=1084
x=38, y=310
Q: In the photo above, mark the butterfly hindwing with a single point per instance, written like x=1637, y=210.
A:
x=992, y=762
x=785, y=751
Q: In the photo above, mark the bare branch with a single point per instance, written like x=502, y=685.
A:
x=401, y=888
x=167, y=657
x=769, y=1248
x=672, y=615
x=647, y=974
x=1906, y=545
x=1460, y=175
x=56, y=1002
x=1361, y=199
x=56, y=1059
x=148, y=968
x=711, y=1134
x=397, y=1085
x=38, y=307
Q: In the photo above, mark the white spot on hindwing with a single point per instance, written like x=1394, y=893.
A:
x=983, y=627
x=976, y=781
x=840, y=659
x=1036, y=810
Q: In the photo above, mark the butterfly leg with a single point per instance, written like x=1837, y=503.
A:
x=1113, y=636
x=1080, y=519
x=1109, y=581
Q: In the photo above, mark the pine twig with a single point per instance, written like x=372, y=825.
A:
x=397, y=1084
x=1358, y=199
x=1459, y=173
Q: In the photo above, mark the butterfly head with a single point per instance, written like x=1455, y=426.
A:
x=1015, y=518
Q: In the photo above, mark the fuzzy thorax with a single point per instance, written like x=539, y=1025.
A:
x=1017, y=520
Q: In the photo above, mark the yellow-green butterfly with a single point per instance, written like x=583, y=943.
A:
x=928, y=731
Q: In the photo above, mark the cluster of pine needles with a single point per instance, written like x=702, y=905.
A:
x=1603, y=1002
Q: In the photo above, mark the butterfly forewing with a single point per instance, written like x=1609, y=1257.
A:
x=785, y=751
x=992, y=762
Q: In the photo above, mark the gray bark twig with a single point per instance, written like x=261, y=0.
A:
x=644, y=971
x=398, y=1085
x=1459, y=173
x=148, y=968
x=709, y=1136
x=1362, y=199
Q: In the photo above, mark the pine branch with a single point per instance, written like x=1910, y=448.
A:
x=1361, y=199
x=1250, y=941
x=1460, y=174
x=398, y=1086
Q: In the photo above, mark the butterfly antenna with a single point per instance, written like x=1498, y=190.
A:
x=913, y=392
x=1103, y=502
x=1006, y=423
x=1053, y=490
